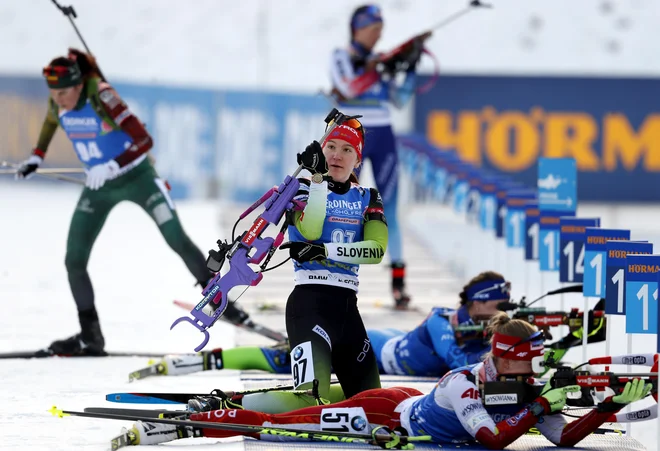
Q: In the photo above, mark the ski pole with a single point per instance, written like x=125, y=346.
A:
x=46, y=174
x=447, y=20
x=47, y=171
x=70, y=13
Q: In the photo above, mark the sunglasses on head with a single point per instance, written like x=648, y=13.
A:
x=353, y=123
x=58, y=71
x=536, y=336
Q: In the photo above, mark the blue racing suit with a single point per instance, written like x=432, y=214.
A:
x=380, y=144
x=428, y=350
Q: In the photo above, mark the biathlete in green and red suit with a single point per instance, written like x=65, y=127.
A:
x=112, y=144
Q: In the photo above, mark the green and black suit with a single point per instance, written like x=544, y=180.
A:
x=102, y=128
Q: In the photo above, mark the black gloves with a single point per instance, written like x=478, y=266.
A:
x=304, y=252
x=406, y=59
x=28, y=167
x=313, y=159
x=414, y=54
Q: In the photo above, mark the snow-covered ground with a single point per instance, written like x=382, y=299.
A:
x=136, y=277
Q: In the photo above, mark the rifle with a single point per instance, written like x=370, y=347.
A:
x=517, y=390
x=588, y=379
x=540, y=317
x=249, y=247
x=543, y=319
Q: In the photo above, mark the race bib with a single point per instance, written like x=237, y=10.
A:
x=302, y=364
x=345, y=419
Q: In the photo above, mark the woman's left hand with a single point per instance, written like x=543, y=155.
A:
x=304, y=252
x=633, y=391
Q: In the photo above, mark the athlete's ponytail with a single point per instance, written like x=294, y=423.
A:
x=86, y=62
x=502, y=324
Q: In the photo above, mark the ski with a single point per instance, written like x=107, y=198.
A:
x=126, y=438
x=152, y=413
x=246, y=325
x=154, y=369
x=182, y=398
x=386, y=440
x=152, y=398
x=44, y=353
x=384, y=379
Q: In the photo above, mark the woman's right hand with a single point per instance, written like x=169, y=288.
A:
x=313, y=159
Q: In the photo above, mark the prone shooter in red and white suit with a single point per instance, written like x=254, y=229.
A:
x=453, y=412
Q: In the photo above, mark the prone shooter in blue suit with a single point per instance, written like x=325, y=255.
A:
x=436, y=346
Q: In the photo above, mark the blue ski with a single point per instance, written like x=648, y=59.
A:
x=151, y=398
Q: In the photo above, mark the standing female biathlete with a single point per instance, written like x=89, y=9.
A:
x=347, y=64
x=341, y=227
x=453, y=412
x=431, y=349
x=112, y=144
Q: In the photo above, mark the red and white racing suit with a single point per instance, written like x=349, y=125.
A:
x=453, y=412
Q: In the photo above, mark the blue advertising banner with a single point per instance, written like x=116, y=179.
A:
x=473, y=207
x=595, y=258
x=532, y=216
x=571, y=244
x=244, y=142
x=417, y=160
x=487, y=204
x=557, y=184
x=549, y=239
x=433, y=171
x=516, y=202
x=500, y=197
x=642, y=294
x=237, y=144
x=506, y=123
x=615, y=271
x=24, y=103
x=460, y=175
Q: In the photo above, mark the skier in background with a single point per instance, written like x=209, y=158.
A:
x=112, y=144
x=346, y=65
